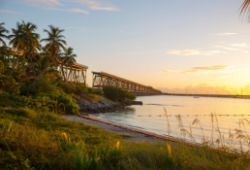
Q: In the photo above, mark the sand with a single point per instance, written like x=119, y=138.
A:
x=137, y=134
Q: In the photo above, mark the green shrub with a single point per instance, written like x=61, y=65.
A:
x=111, y=155
x=27, y=90
x=93, y=91
x=63, y=101
x=9, y=84
x=47, y=85
x=74, y=88
x=58, y=103
x=24, y=112
x=1, y=67
x=116, y=93
x=13, y=97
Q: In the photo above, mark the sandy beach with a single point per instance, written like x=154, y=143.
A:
x=137, y=134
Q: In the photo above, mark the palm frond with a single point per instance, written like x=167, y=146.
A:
x=245, y=8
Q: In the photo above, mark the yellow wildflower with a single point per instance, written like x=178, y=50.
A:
x=64, y=134
x=117, y=144
x=98, y=158
x=169, y=150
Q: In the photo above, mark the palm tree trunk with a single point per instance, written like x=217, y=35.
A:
x=13, y=67
x=62, y=72
x=47, y=62
x=32, y=66
x=34, y=72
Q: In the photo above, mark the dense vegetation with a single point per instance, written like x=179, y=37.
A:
x=28, y=70
x=38, y=139
x=117, y=94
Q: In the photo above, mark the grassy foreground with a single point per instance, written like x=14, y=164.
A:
x=43, y=140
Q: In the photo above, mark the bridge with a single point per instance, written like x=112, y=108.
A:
x=75, y=73
x=210, y=95
x=101, y=79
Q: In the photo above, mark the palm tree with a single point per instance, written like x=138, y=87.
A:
x=54, y=44
x=245, y=8
x=40, y=65
x=68, y=59
x=5, y=57
x=25, y=39
x=16, y=38
x=2, y=35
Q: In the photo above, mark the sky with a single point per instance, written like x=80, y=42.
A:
x=192, y=46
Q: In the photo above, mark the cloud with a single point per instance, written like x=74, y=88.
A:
x=239, y=45
x=227, y=33
x=233, y=49
x=183, y=52
x=208, y=89
x=96, y=5
x=78, y=10
x=45, y=2
x=51, y=4
x=201, y=69
x=195, y=52
x=209, y=53
x=6, y=11
x=227, y=48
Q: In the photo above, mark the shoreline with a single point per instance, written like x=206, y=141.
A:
x=137, y=134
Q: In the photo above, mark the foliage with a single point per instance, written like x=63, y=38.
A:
x=86, y=162
x=57, y=103
x=12, y=66
x=1, y=67
x=245, y=8
x=34, y=135
x=116, y=93
x=2, y=35
x=111, y=155
x=47, y=85
x=8, y=84
x=68, y=58
x=39, y=139
x=67, y=145
x=74, y=88
x=63, y=101
x=25, y=39
x=46, y=69
x=27, y=90
x=93, y=91
x=53, y=46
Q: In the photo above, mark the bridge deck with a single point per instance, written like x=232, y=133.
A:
x=102, y=79
x=73, y=73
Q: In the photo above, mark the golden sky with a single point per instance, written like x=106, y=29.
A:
x=202, y=46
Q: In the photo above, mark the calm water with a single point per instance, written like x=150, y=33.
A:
x=151, y=116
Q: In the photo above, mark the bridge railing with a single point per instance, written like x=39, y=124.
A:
x=101, y=79
x=75, y=73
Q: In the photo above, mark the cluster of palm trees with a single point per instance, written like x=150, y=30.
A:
x=24, y=41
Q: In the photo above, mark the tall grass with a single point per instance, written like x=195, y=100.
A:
x=32, y=139
x=220, y=142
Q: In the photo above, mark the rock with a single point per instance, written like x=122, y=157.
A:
x=136, y=103
x=101, y=106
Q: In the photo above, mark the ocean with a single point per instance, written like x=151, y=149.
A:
x=188, y=118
